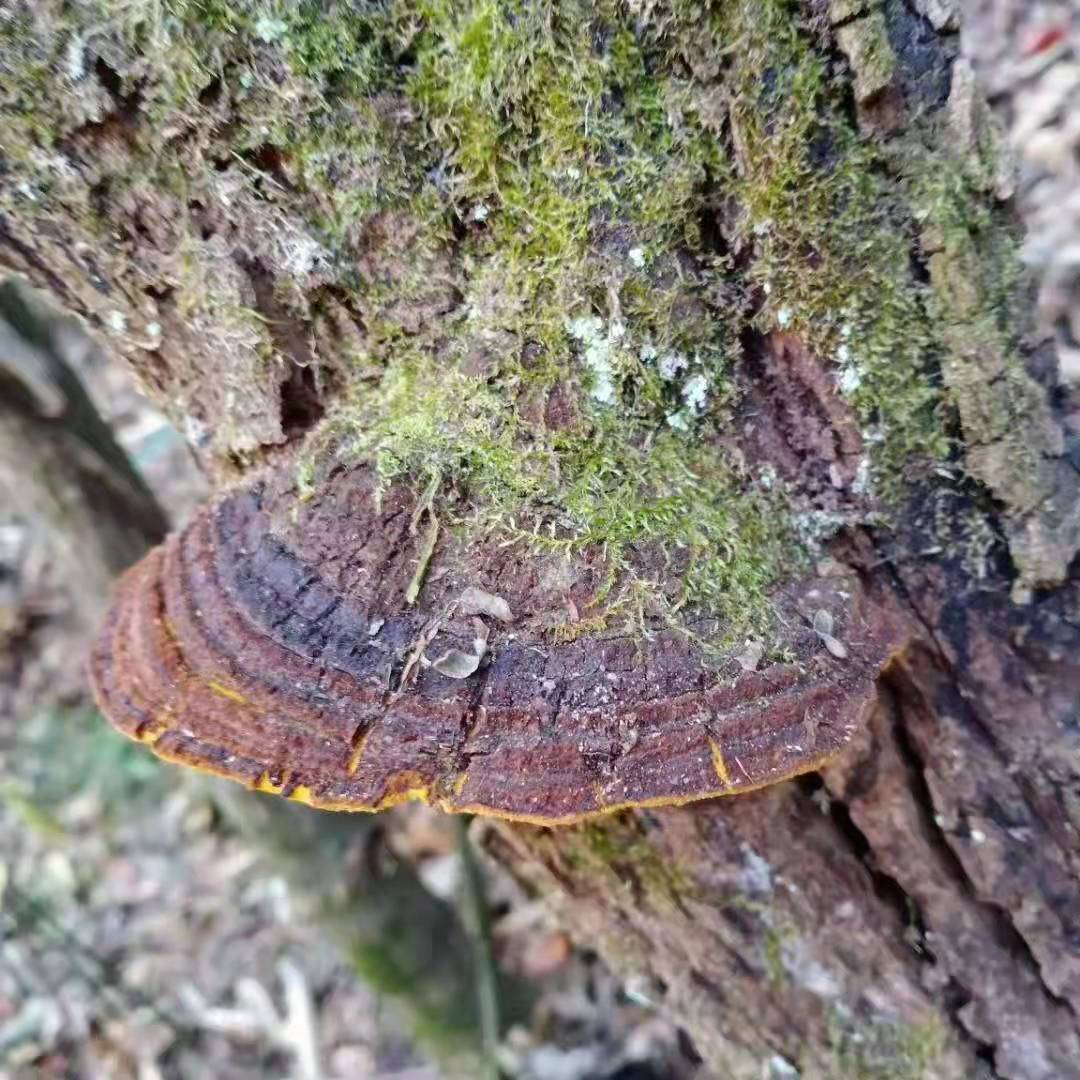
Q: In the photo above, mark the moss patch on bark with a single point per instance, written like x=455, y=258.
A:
x=518, y=248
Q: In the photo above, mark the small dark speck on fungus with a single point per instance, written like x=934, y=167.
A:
x=286, y=650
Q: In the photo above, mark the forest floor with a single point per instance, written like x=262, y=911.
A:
x=142, y=932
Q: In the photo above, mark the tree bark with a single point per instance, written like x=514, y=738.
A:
x=914, y=909
x=910, y=911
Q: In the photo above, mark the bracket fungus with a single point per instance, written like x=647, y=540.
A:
x=273, y=642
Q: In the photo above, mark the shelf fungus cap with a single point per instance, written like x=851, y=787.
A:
x=273, y=642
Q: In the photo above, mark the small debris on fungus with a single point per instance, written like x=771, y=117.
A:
x=750, y=658
x=474, y=601
x=823, y=627
x=455, y=664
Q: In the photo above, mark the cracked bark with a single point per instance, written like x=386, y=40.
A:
x=932, y=874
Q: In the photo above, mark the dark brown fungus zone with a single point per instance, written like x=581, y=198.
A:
x=271, y=642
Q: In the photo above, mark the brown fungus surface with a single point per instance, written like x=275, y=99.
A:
x=272, y=642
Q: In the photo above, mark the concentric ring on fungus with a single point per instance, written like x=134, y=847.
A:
x=271, y=642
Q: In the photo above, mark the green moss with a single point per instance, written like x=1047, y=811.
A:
x=772, y=948
x=882, y=1050
x=559, y=171
x=342, y=45
x=832, y=234
x=585, y=278
x=615, y=848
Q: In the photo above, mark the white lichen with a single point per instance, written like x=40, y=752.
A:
x=596, y=343
x=75, y=58
x=864, y=478
x=269, y=30
x=300, y=254
x=780, y=1067
x=805, y=970
x=695, y=393
x=671, y=363
x=756, y=875
x=815, y=526
x=850, y=379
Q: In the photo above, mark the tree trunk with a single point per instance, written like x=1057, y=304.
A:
x=260, y=214
x=59, y=461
